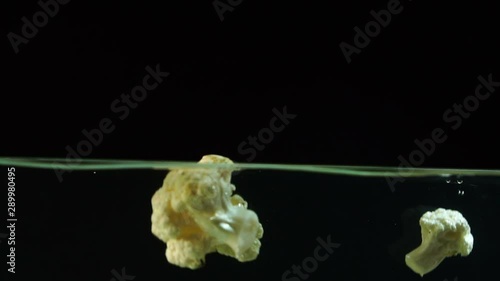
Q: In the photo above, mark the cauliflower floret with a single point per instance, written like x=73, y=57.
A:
x=195, y=213
x=445, y=233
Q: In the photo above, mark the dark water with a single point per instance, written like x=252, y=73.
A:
x=97, y=226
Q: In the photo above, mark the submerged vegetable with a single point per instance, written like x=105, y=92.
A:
x=445, y=233
x=196, y=213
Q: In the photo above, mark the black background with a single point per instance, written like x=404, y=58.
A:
x=227, y=76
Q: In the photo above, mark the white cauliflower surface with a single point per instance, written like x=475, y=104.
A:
x=195, y=213
x=445, y=233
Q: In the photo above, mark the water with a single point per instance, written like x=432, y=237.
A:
x=93, y=221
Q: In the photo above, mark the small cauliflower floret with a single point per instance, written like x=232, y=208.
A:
x=195, y=213
x=445, y=233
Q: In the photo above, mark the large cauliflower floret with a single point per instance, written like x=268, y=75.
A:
x=445, y=233
x=196, y=213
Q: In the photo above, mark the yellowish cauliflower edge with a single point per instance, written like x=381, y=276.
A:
x=445, y=233
x=195, y=213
